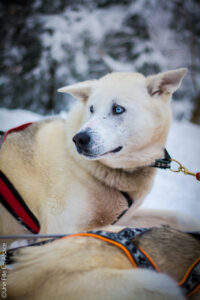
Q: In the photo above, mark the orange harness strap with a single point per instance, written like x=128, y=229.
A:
x=191, y=280
x=123, y=248
x=123, y=240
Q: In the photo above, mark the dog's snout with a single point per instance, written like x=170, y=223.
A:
x=81, y=139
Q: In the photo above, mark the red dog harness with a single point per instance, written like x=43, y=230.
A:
x=16, y=129
x=11, y=199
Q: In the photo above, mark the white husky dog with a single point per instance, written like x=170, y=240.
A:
x=86, y=171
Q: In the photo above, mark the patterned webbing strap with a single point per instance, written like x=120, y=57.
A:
x=191, y=281
x=123, y=240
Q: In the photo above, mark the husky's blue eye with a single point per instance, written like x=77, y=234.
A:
x=117, y=109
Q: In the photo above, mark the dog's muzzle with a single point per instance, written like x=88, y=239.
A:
x=85, y=145
x=82, y=141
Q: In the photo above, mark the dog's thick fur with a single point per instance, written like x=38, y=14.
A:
x=70, y=192
x=87, y=268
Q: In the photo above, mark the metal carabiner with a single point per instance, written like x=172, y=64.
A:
x=181, y=168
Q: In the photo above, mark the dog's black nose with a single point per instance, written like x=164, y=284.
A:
x=81, y=139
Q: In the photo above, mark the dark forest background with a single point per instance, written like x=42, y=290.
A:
x=47, y=44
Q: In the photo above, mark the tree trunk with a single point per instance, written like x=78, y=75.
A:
x=195, y=118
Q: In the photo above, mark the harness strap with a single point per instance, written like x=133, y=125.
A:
x=191, y=280
x=10, y=198
x=195, y=234
x=15, y=129
x=13, y=202
x=129, y=201
x=123, y=240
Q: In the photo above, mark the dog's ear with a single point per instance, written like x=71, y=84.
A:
x=165, y=83
x=79, y=90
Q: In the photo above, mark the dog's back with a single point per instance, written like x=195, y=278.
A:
x=96, y=265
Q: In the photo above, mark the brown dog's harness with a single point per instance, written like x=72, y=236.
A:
x=139, y=258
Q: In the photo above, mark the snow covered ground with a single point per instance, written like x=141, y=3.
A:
x=171, y=191
x=11, y=118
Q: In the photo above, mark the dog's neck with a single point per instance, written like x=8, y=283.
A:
x=123, y=179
